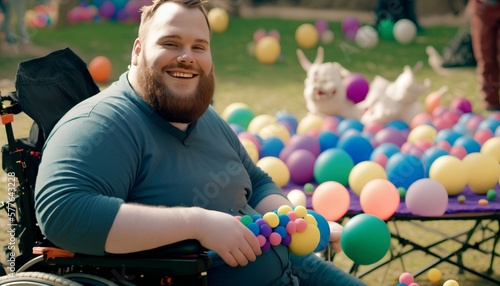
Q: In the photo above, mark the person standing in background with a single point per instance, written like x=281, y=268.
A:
x=485, y=32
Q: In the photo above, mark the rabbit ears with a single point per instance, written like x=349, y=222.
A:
x=305, y=63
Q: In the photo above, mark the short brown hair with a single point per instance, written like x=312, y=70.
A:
x=147, y=12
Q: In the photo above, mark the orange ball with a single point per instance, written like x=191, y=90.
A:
x=100, y=68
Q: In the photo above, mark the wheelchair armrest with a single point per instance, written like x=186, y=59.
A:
x=179, y=249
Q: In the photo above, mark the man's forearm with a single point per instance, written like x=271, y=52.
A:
x=139, y=227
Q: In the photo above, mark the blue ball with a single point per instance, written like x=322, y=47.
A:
x=449, y=135
x=404, y=169
x=398, y=124
x=349, y=123
x=324, y=230
x=388, y=149
x=469, y=144
x=357, y=146
x=271, y=146
x=327, y=139
x=429, y=156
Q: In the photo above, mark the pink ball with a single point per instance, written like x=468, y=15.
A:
x=356, y=87
x=424, y=144
x=462, y=104
x=381, y=159
x=406, y=278
x=275, y=34
x=421, y=118
x=321, y=26
x=291, y=227
x=474, y=122
x=330, y=123
x=275, y=239
x=259, y=34
x=372, y=127
x=444, y=145
x=301, y=224
x=483, y=135
x=300, y=163
x=458, y=151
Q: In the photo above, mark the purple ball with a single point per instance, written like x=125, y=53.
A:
x=390, y=135
x=350, y=26
x=356, y=87
x=321, y=26
x=301, y=166
x=462, y=104
x=107, y=9
x=300, y=141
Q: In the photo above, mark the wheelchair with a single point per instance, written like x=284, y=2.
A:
x=46, y=88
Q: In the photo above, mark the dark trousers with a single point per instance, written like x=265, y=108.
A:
x=485, y=32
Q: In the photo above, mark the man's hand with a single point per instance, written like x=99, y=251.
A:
x=228, y=237
x=335, y=233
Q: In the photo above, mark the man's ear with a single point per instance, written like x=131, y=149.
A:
x=136, y=51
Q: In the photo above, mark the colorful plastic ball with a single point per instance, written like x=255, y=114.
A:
x=356, y=86
x=434, y=275
x=331, y=200
x=402, y=192
x=327, y=139
x=218, y=19
x=390, y=135
x=259, y=122
x=300, y=141
x=309, y=189
x=350, y=26
x=469, y=143
x=297, y=197
x=380, y=198
x=327, y=37
x=426, y=197
x=241, y=116
x=461, y=199
x=272, y=219
x=274, y=33
x=324, y=230
x=491, y=147
x=333, y=164
x=420, y=119
x=107, y=9
x=385, y=29
x=306, y=36
x=267, y=50
x=450, y=282
x=321, y=26
x=404, y=169
x=259, y=34
x=366, y=37
x=277, y=170
x=100, y=68
x=232, y=107
x=365, y=239
x=429, y=156
x=458, y=151
x=364, y=172
x=305, y=242
x=406, y=278
x=251, y=149
x=462, y=104
x=450, y=172
x=422, y=132
x=357, y=146
x=275, y=130
x=482, y=202
x=310, y=122
x=272, y=146
x=482, y=136
x=404, y=31
x=482, y=172
x=301, y=166
x=491, y=194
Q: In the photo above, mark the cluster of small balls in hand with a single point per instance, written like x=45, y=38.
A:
x=294, y=228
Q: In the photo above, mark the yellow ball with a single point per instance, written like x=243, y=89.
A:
x=364, y=172
x=310, y=219
x=276, y=169
x=450, y=282
x=306, y=36
x=232, y=107
x=275, y=130
x=305, y=242
x=434, y=275
x=450, y=172
x=272, y=219
x=218, y=19
x=309, y=123
x=267, y=50
x=422, y=132
x=300, y=211
x=284, y=209
x=259, y=122
x=251, y=149
x=482, y=172
x=297, y=197
x=492, y=147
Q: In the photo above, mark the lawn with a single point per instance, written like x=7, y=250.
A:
x=268, y=89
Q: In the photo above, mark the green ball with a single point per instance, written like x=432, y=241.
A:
x=402, y=192
x=241, y=117
x=246, y=219
x=365, y=239
x=308, y=188
x=333, y=164
x=385, y=29
x=491, y=195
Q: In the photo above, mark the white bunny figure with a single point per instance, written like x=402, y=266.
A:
x=324, y=92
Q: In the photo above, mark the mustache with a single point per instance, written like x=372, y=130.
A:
x=180, y=66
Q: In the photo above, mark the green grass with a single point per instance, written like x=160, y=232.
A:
x=271, y=88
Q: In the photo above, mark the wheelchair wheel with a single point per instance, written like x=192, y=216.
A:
x=36, y=278
x=89, y=279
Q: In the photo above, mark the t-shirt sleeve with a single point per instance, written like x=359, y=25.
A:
x=86, y=171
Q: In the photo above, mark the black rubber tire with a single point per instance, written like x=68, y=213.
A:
x=36, y=278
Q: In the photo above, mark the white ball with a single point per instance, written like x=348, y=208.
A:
x=327, y=37
x=366, y=37
x=297, y=197
x=404, y=31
